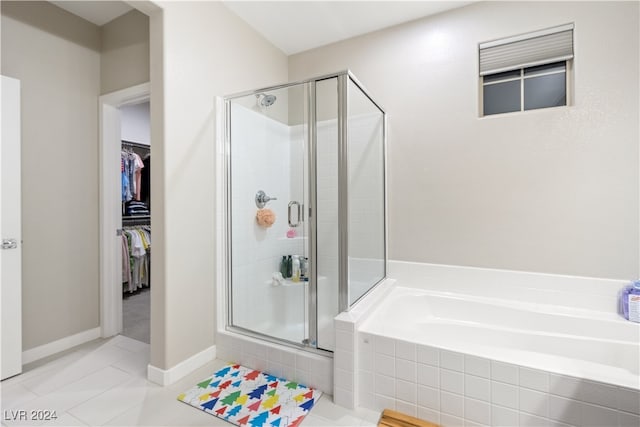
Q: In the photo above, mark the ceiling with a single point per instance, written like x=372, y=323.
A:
x=98, y=12
x=295, y=26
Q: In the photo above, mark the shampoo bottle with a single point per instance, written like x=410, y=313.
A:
x=295, y=269
x=289, y=267
x=283, y=266
x=630, y=301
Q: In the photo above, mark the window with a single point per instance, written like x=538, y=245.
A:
x=529, y=88
x=526, y=72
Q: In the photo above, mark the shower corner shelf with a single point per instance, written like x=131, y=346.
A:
x=287, y=283
x=290, y=283
x=297, y=238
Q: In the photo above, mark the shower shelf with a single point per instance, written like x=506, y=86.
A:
x=287, y=282
x=291, y=283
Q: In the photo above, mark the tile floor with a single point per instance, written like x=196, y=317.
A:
x=104, y=383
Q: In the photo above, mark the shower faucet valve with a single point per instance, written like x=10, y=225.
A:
x=262, y=199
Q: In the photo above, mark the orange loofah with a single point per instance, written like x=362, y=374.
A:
x=265, y=217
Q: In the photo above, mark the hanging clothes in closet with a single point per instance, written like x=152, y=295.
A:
x=136, y=257
x=131, y=166
x=145, y=192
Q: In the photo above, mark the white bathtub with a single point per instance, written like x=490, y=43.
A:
x=466, y=346
x=582, y=343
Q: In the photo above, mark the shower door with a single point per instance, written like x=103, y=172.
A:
x=267, y=200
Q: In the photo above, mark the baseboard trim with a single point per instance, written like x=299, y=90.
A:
x=169, y=376
x=57, y=346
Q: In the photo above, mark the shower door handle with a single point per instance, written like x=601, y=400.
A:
x=291, y=223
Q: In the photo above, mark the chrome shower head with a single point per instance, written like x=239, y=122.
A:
x=267, y=100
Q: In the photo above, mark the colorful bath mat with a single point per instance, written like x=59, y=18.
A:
x=246, y=397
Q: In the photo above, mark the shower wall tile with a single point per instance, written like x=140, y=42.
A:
x=477, y=366
x=429, y=397
x=344, y=326
x=385, y=385
x=274, y=355
x=302, y=362
x=297, y=365
x=344, y=379
x=597, y=416
x=447, y=420
x=534, y=402
x=628, y=400
x=452, y=381
x=452, y=360
x=429, y=415
x=565, y=410
x=366, y=361
x=288, y=358
x=451, y=388
x=534, y=379
x=504, y=372
x=477, y=388
x=528, y=420
x=344, y=340
x=503, y=417
x=384, y=402
x=385, y=365
x=428, y=355
x=406, y=370
x=384, y=345
x=628, y=420
x=598, y=394
x=477, y=411
x=406, y=350
x=452, y=404
x=428, y=375
x=275, y=368
x=343, y=397
x=504, y=394
x=406, y=408
x=343, y=360
x=406, y=391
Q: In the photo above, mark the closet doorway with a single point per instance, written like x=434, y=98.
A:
x=125, y=280
x=135, y=167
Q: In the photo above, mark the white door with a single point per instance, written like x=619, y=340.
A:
x=10, y=229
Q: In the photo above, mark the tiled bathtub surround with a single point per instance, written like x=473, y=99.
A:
x=457, y=345
x=454, y=389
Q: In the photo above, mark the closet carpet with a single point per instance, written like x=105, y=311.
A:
x=136, y=313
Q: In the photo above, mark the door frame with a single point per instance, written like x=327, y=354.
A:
x=11, y=227
x=111, y=205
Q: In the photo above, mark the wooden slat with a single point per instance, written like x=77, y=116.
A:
x=391, y=418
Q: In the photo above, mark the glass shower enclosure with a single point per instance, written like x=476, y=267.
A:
x=305, y=207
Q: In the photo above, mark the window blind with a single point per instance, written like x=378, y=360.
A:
x=527, y=50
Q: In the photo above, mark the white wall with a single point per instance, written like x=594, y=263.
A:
x=135, y=123
x=552, y=190
x=125, y=52
x=56, y=56
x=199, y=50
